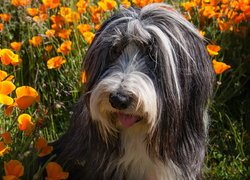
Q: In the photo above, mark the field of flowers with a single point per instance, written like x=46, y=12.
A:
x=42, y=44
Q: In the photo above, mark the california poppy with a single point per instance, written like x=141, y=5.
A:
x=42, y=147
x=9, y=57
x=220, y=67
x=6, y=137
x=16, y=45
x=3, y=149
x=55, y=172
x=36, y=41
x=25, y=124
x=26, y=96
x=213, y=49
x=13, y=170
x=55, y=62
x=65, y=47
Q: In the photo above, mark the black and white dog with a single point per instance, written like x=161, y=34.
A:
x=143, y=115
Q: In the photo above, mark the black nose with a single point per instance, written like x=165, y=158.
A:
x=119, y=100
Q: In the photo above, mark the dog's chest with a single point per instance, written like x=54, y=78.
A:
x=135, y=162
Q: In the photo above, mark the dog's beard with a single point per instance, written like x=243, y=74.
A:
x=126, y=76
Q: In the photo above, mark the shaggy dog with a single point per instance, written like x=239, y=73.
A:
x=143, y=115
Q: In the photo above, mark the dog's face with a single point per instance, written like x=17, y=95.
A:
x=146, y=67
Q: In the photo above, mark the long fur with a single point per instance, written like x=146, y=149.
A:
x=159, y=60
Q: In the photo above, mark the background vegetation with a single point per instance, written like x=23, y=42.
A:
x=42, y=44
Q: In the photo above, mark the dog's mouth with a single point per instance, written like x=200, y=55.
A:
x=127, y=120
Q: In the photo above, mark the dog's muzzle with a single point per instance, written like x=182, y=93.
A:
x=119, y=100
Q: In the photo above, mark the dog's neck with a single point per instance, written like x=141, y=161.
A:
x=136, y=163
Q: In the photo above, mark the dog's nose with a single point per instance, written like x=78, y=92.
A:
x=119, y=100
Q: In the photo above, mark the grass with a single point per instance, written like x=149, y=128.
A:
x=59, y=88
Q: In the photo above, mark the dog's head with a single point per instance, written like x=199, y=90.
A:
x=147, y=67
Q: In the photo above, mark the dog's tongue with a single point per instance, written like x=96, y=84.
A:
x=126, y=120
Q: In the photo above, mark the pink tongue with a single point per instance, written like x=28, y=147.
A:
x=126, y=120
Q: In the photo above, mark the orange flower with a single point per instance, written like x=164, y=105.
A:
x=69, y=15
x=6, y=100
x=16, y=45
x=8, y=57
x=142, y=3
x=88, y=36
x=40, y=18
x=50, y=32
x=213, y=49
x=83, y=77
x=20, y=2
x=82, y=6
x=83, y=28
x=64, y=33
x=3, y=149
x=13, y=170
x=1, y=27
x=5, y=17
x=6, y=87
x=55, y=172
x=48, y=48
x=65, y=47
x=107, y=5
x=36, y=41
x=51, y=3
x=25, y=124
x=26, y=96
x=59, y=20
x=55, y=62
x=188, y=5
x=220, y=67
x=4, y=76
x=6, y=137
x=32, y=11
x=42, y=147
x=126, y=3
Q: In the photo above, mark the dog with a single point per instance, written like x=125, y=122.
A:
x=144, y=112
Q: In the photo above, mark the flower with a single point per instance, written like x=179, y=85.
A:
x=50, y=32
x=25, y=124
x=48, y=48
x=65, y=47
x=83, y=77
x=36, y=41
x=6, y=87
x=5, y=17
x=8, y=57
x=55, y=62
x=64, y=33
x=20, y=2
x=3, y=149
x=51, y=3
x=42, y=147
x=6, y=100
x=69, y=15
x=88, y=36
x=213, y=49
x=25, y=96
x=220, y=67
x=1, y=27
x=4, y=76
x=82, y=6
x=6, y=137
x=107, y=5
x=16, y=45
x=83, y=28
x=13, y=170
x=55, y=172
x=32, y=11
